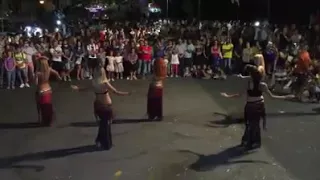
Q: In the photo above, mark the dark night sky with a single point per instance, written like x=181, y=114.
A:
x=281, y=11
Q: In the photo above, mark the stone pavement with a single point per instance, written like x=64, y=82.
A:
x=185, y=146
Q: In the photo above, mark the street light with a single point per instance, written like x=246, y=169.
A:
x=41, y=2
x=167, y=11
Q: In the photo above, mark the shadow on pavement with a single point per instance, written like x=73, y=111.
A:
x=210, y=162
x=19, y=125
x=37, y=168
x=116, y=121
x=225, y=122
x=291, y=114
x=317, y=110
x=12, y=162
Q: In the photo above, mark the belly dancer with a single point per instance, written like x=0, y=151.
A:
x=44, y=91
x=155, y=92
x=102, y=106
x=254, y=109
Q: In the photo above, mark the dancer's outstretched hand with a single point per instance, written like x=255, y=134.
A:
x=290, y=96
x=224, y=94
x=74, y=87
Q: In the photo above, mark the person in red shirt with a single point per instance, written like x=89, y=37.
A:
x=301, y=71
x=145, y=56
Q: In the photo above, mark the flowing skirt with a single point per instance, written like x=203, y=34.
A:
x=154, y=104
x=253, y=113
x=45, y=107
x=105, y=114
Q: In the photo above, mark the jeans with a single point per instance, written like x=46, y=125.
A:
x=11, y=78
x=140, y=66
x=22, y=72
x=227, y=65
x=144, y=67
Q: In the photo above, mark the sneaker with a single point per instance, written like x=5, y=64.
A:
x=12, y=87
x=22, y=85
x=27, y=85
x=90, y=77
x=8, y=87
x=128, y=78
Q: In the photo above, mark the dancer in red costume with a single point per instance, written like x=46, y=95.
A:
x=44, y=92
x=155, y=93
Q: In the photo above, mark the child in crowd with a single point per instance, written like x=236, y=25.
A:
x=174, y=64
x=10, y=67
x=68, y=63
x=102, y=57
x=119, y=65
x=110, y=66
x=168, y=65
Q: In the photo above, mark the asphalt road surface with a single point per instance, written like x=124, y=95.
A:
x=195, y=140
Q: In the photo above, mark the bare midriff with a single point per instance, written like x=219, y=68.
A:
x=43, y=84
x=102, y=97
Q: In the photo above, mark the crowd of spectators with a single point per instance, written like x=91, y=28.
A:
x=208, y=49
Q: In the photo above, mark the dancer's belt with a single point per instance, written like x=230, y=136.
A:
x=256, y=101
x=44, y=91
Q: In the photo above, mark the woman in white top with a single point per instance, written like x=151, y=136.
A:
x=110, y=66
x=175, y=64
x=247, y=54
x=119, y=65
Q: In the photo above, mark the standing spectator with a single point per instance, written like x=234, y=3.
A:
x=110, y=66
x=57, y=64
x=216, y=62
x=227, y=51
x=181, y=48
x=247, y=54
x=199, y=59
x=22, y=69
x=102, y=57
x=237, y=54
x=67, y=60
x=174, y=64
x=119, y=65
x=284, y=40
x=146, y=55
x=188, y=58
x=10, y=67
x=132, y=65
x=79, y=54
x=30, y=51
x=2, y=53
x=92, y=49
